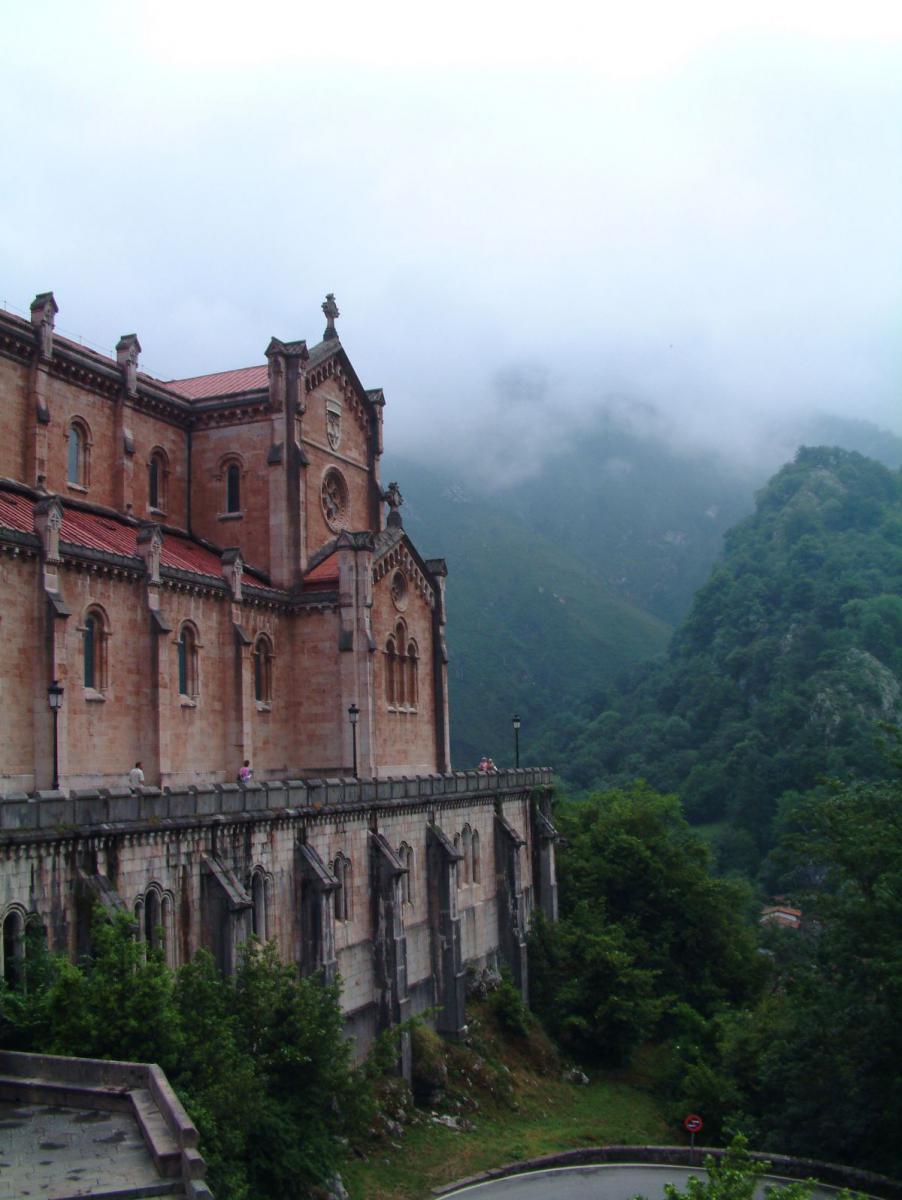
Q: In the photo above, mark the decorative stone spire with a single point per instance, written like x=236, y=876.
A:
x=393, y=498
x=150, y=548
x=330, y=310
x=48, y=521
x=43, y=311
x=233, y=570
x=127, y=350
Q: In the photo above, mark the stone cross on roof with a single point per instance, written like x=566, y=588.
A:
x=330, y=309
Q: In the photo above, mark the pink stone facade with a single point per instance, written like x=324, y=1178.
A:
x=207, y=569
x=279, y=462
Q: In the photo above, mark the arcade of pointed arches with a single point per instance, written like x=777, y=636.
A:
x=402, y=660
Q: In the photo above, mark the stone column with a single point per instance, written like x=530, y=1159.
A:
x=128, y=350
x=287, y=462
x=243, y=740
x=48, y=521
x=150, y=549
x=316, y=916
x=356, y=647
x=438, y=571
x=510, y=902
x=544, y=839
x=444, y=928
x=389, y=941
x=43, y=313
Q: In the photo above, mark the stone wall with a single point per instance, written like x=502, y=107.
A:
x=398, y=885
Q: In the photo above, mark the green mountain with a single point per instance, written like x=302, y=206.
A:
x=787, y=664
x=562, y=582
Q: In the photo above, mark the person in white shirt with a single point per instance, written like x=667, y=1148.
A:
x=136, y=776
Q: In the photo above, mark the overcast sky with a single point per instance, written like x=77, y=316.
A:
x=521, y=208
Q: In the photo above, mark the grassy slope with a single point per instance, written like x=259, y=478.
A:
x=545, y=1114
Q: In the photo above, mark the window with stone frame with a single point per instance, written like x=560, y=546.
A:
x=260, y=907
x=95, y=646
x=466, y=849
x=230, y=476
x=475, y=860
x=341, y=869
x=263, y=656
x=401, y=669
x=12, y=948
x=78, y=453
x=153, y=916
x=405, y=857
x=391, y=672
x=188, y=661
x=411, y=669
x=157, y=479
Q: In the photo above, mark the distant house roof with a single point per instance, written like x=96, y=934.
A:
x=781, y=914
x=221, y=383
x=110, y=535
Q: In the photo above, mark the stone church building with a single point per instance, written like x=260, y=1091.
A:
x=202, y=572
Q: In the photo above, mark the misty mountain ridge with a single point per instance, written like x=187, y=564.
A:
x=562, y=581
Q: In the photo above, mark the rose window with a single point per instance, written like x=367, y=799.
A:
x=335, y=499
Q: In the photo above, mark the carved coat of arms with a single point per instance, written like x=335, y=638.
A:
x=333, y=424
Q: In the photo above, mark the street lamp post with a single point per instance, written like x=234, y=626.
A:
x=354, y=714
x=55, y=700
x=515, y=721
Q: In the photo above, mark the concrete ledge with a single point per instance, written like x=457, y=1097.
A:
x=169, y=1134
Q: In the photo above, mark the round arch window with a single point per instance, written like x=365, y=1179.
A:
x=335, y=499
x=400, y=590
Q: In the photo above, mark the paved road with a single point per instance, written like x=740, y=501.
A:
x=603, y=1182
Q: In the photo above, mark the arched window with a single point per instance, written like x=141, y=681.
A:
x=187, y=646
x=263, y=655
x=476, y=872
x=459, y=864
x=157, y=479
x=391, y=672
x=466, y=849
x=400, y=666
x=95, y=632
x=259, y=915
x=342, y=872
x=411, y=671
x=78, y=457
x=153, y=916
x=233, y=488
x=405, y=856
x=13, y=949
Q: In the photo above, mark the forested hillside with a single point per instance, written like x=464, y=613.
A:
x=786, y=666
x=564, y=578
x=527, y=619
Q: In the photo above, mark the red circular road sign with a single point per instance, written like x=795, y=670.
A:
x=693, y=1123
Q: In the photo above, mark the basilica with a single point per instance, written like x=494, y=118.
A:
x=223, y=685
x=209, y=568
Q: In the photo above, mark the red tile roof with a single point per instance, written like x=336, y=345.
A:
x=221, y=383
x=112, y=536
x=324, y=574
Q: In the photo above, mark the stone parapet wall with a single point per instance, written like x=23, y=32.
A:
x=397, y=885
x=56, y=811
